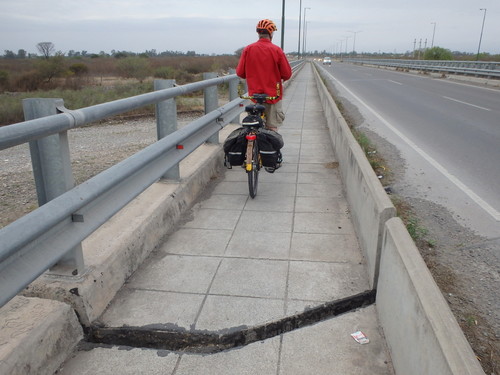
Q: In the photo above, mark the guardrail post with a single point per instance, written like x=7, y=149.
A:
x=51, y=162
x=211, y=96
x=233, y=93
x=166, y=121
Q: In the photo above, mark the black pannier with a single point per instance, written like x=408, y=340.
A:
x=270, y=144
x=235, y=148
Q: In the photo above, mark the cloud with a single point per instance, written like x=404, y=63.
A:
x=223, y=26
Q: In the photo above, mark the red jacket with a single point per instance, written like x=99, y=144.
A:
x=264, y=65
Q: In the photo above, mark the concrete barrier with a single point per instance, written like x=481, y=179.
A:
x=36, y=336
x=369, y=205
x=421, y=332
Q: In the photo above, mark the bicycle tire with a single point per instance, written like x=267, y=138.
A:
x=253, y=175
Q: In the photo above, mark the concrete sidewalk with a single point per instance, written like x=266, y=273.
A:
x=239, y=263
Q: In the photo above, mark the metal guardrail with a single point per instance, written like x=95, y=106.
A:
x=475, y=68
x=39, y=240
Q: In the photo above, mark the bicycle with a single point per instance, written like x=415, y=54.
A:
x=255, y=121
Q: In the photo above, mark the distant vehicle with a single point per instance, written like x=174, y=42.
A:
x=327, y=61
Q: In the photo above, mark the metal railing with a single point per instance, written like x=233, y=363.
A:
x=52, y=233
x=476, y=68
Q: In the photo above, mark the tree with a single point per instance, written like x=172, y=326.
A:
x=46, y=48
x=8, y=54
x=438, y=53
x=50, y=68
x=21, y=54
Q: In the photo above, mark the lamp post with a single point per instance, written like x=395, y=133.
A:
x=346, y=39
x=283, y=26
x=433, y=33
x=354, y=41
x=300, y=22
x=304, y=32
x=481, y=37
x=305, y=36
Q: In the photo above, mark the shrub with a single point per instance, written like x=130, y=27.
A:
x=51, y=67
x=30, y=81
x=4, y=79
x=134, y=67
x=79, y=69
x=438, y=53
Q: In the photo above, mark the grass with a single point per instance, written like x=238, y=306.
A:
x=11, y=110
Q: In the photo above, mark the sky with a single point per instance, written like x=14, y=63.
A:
x=224, y=26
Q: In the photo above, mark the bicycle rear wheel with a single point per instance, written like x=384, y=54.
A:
x=253, y=174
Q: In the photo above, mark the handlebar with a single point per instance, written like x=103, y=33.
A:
x=261, y=98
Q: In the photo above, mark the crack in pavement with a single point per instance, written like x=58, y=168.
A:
x=174, y=338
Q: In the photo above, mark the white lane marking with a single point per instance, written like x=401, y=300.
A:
x=397, y=83
x=464, y=188
x=461, y=102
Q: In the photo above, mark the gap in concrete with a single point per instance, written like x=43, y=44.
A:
x=174, y=338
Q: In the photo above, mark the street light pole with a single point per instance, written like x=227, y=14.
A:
x=304, y=32
x=433, y=33
x=354, y=41
x=346, y=39
x=300, y=22
x=283, y=26
x=481, y=37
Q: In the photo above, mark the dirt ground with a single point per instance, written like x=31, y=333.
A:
x=462, y=263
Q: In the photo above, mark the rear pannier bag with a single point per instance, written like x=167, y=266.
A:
x=270, y=144
x=235, y=148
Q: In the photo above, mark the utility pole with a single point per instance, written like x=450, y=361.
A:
x=433, y=33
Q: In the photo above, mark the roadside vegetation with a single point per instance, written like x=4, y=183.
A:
x=85, y=80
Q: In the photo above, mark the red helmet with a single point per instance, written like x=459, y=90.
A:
x=267, y=25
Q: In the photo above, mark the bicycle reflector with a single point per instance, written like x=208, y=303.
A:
x=251, y=137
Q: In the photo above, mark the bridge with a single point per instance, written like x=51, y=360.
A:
x=315, y=275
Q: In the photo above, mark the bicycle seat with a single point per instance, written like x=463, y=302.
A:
x=255, y=109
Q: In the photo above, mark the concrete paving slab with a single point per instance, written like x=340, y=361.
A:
x=321, y=205
x=329, y=223
x=318, y=190
x=250, y=244
x=327, y=348
x=207, y=218
x=120, y=360
x=325, y=248
x=270, y=203
x=179, y=273
x=258, y=358
x=193, y=241
x=270, y=222
x=139, y=308
x=234, y=312
x=251, y=277
x=322, y=281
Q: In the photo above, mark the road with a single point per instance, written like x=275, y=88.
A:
x=441, y=140
x=447, y=132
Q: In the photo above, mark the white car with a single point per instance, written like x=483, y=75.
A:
x=327, y=61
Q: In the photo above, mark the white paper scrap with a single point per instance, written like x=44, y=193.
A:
x=360, y=337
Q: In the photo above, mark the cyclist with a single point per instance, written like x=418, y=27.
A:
x=265, y=66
